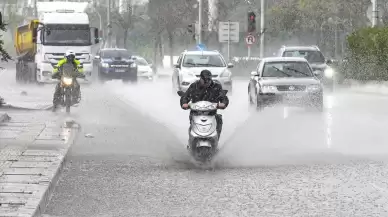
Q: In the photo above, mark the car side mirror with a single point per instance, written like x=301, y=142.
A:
x=254, y=73
x=230, y=65
x=329, y=61
x=180, y=93
x=317, y=73
x=133, y=58
x=176, y=66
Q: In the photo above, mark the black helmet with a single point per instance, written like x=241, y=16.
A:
x=206, y=76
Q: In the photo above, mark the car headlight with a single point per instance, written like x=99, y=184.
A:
x=314, y=87
x=67, y=81
x=105, y=65
x=329, y=72
x=226, y=73
x=268, y=89
x=133, y=65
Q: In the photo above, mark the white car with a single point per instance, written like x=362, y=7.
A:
x=144, y=69
x=191, y=63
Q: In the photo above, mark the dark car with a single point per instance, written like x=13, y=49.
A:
x=115, y=63
x=316, y=59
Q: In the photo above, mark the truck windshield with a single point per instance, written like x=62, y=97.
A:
x=67, y=34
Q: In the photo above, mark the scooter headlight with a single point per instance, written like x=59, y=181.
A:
x=67, y=81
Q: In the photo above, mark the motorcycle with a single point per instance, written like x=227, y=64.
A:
x=203, y=135
x=68, y=88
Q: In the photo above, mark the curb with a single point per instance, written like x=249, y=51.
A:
x=44, y=201
x=4, y=118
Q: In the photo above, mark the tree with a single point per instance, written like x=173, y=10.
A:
x=4, y=56
x=168, y=17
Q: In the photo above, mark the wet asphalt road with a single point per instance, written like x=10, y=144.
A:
x=280, y=162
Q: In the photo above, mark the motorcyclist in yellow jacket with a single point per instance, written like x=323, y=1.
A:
x=69, y=58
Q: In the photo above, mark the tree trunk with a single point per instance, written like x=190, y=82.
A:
x=171, y=47
x=161, y=53
x=155, y=54
x=125, y=38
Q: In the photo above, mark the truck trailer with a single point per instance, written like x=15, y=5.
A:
x=42, y=42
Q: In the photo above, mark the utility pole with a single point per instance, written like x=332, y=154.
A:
x=375, y=13
x=262, y=28
x=109, y=23
x=200, y=9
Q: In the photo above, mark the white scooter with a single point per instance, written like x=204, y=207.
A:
x=203, y=136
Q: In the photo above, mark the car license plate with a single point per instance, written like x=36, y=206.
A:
x=120, y=70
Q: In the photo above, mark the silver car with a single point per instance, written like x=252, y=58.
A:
x=288, y=80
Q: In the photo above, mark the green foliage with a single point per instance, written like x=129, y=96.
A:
x=296, y=15
x=368, y=49
x=4, y=56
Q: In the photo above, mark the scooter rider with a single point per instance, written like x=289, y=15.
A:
x=205, y=89
x=69, y=58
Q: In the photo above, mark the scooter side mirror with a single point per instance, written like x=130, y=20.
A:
x=180, y=93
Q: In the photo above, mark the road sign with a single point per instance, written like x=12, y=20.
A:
x=228, y=31
x=201, y=47
x=250, y=39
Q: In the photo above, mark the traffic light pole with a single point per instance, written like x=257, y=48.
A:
x=262, y=28
x=200, y=8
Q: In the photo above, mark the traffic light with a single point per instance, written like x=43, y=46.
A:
x=251, y=22
x=190, y=28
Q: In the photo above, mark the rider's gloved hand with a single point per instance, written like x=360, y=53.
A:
x=185, y=106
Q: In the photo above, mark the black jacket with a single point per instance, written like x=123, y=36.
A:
x=212, y=94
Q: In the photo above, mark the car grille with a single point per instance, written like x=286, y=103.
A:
x=291, y=88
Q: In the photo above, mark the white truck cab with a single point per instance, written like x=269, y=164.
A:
x=63, y=26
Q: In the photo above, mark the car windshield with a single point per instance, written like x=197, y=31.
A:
x=64, y=34
x=141, y=62
x=195, y=60
x=312, y=56
x=115, y=53
x=287, y=69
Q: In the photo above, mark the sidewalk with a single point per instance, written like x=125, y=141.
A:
x=27, y=97
x=33, y=148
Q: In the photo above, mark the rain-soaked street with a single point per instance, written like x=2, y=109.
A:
x=130, y=157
